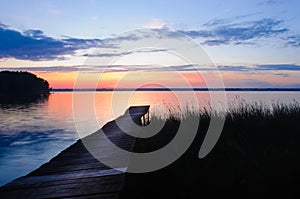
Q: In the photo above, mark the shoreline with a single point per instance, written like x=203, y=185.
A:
x=179, y=89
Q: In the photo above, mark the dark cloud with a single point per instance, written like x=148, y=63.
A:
x=116, y=54
x=34, y=45
x=107, y=54
x=75, y=68
x=234, y=68
x=197, y=33
x=221, y=31
x=215, y=42
x=46, y=68
x=130, y=37
x=187, y=67
x=82, y=43
x=3, y=25
x=35, y=34
x=293, y=41
x=288, y=67
x=262, y=67
x=282, y=74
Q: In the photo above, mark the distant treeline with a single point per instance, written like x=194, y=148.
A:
x=21, y=85
x=180, y=89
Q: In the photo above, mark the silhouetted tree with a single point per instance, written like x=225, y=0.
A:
x=21, y=85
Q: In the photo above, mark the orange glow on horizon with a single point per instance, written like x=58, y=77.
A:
x=59, y=79
x=122, y=79
x=159, y=79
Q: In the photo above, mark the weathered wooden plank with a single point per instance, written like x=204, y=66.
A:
x=65, y=176
x=75, y=173
x=69, y=190
x=97, y=196
x=110, y=155
x=48, y=170
x=109, y=179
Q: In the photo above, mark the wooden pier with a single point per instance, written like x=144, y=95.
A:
x=75, y=173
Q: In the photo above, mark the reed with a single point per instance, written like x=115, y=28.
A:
x=257, y=155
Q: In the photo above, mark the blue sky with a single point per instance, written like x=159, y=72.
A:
x=241, y=36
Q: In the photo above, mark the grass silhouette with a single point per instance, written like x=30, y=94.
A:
x=256, y=156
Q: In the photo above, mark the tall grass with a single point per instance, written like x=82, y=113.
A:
x=257, y=155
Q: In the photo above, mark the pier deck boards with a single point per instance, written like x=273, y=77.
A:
x=75, y=173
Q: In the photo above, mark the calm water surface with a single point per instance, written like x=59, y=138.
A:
x=32, y=134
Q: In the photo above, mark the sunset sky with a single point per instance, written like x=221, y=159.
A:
x=131, y=44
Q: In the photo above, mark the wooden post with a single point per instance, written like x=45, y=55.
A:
x=148, y=117
x=144, y=121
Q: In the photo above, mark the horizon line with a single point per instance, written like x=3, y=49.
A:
x=172, y=89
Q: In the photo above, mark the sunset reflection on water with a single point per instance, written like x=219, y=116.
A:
x=32, y=134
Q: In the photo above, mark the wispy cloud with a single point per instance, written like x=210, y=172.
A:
x=268, y=2
x=77, y=68
x=106, y=54
x=45, y=69
x=117, y=54
x=221, y=31
x=262, y=67
x=288, y=67
x=130, y=37
x=293, y=40
x=35, y=45
x=234, y=68
x=278, y=68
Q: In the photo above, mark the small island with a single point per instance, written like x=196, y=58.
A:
x=19, y=87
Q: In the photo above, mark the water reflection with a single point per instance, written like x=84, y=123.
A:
x=29, y=135
x=32, y=133
x=24, y=100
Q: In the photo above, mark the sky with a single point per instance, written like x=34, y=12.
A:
x=108, y=44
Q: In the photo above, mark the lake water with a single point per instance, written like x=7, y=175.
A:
x=32, y=134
